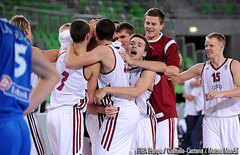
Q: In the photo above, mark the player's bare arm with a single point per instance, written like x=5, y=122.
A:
x=85, y=58
x=145, y=82
x=49, y=76
x=51, y=55
x=91, y=73
x=172, y=71
x=231, y=93
x=96, y=109
x=194, y=71
x=155, y=66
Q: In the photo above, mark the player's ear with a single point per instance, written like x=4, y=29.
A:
x=144, y=54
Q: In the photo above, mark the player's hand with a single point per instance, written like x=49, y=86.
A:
x=99, y=94
x=110, y=110
x=126, y=58
x=214, y=94
x=92, y=25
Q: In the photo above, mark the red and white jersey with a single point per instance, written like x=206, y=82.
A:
x=142, y=101
x=118, y=77
x=219, y=79
x=71, y=89
x=163, y=99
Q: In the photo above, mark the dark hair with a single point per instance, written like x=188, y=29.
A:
x=155, y=12
x=105, y=29
x=79, y=29
x=220, y=37
x=125, y=26
x=143, y=38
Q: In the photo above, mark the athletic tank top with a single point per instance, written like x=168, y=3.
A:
x=220, y=79
x=118, y=77
x=71, y=89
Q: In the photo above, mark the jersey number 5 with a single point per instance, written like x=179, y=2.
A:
x=65, y=76
x=22, y=65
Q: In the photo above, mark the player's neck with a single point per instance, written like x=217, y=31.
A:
x=217, y=61
x=79, y=48
x=105, y=42
x=152, y=37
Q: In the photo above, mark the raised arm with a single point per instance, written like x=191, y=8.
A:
x=84, y=59
x=51, y=55
x=146, y=81
x=194, y=71
x=155, y=66
x=49, y=76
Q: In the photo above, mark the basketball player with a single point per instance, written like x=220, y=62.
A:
x=16, y=67
x=69, y=97
x=163, y=49
x=142, y=82
x=116, y=133
x=37, y=142
x=123, y=33
x=220, y=80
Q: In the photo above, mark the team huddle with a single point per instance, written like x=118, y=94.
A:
x=114, y=85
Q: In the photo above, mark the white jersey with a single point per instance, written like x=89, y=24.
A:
x=144, y=106
x=118, y=45
x=70, y=90
x=118, y=77
x=190, y=106
x=219, y=79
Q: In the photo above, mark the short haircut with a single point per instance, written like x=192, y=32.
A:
x=64, y=26
x=155, y=12
x=105, y=29
x=220, y=37
x=78, y=30
x=143, y=38
x=21, y=22
x=125, y=26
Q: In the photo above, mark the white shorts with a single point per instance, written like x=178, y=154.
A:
x=93, y=124
x=65, y=130
x=167, y=134
x=37, y=141
x=221, y=132
x=145, y=136
x=116, y=134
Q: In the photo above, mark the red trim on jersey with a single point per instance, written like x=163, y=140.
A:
x=114, y=127
x=219, y=66
x=171, y=125
x=153, y=127
x=77, y=128
x=173, y=129
x=109, y=132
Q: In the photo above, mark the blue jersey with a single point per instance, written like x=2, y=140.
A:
x=15, y=70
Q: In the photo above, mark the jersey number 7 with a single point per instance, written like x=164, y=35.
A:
x=65, y=76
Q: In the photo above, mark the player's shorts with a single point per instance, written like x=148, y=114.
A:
x=65, y=130
x=167, y=134
x=14, y=136
x=221, y=132
x=145, y=136
x=116, y=134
